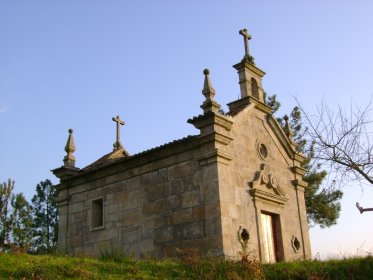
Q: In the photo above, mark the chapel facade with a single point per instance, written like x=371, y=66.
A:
x=239, y=178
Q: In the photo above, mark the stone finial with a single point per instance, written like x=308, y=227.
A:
x=69, y=159
x=117, y=145
x=287, y=129
x=208, y=91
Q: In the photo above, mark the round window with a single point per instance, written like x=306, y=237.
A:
x=263, y=150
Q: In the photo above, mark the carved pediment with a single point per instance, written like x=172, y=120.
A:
x=266, y=187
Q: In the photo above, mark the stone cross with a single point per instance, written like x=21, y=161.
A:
x=246, y=38
x=119, y=122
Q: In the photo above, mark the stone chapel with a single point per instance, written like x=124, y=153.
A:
x=241, y=176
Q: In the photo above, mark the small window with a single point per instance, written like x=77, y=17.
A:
x=97, y=213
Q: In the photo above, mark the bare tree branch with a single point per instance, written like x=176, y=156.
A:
x=361, y=209
x=342, y=140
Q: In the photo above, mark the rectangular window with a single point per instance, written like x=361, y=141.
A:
x=97, y=213
x=270, y=247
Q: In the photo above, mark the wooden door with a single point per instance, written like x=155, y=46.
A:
x=269, y=238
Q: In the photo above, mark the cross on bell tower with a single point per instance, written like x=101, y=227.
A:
x=250, y=78
x=246, y=38
x=117, y=145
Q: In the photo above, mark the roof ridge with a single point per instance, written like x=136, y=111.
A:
x=106, y=160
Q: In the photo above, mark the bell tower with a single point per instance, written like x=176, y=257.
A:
x=250, y=76
x=250, y=79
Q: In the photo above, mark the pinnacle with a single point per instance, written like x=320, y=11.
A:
x=287, y=129
x=70, y=145
x=208, y=91
x=69, y=159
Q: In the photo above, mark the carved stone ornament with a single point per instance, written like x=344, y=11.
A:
x=295, y=244
x=266, y=187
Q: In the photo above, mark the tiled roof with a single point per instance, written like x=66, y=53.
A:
x=122, y=154
x=106, y=159
x=184, y=139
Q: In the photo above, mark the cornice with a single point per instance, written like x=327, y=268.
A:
x=134, y=161
x=299, y=170
x=299, y=184
x=264, y=196
x=215, y=136
x=243, y=102
x=299, y=157
x=62, y=201
x=247, y=65
x=260, y=105
x=210, y=118
x=64, y=173
x=278, y=131
x=213, y=156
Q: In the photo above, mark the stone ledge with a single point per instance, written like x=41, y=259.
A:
x=299, y=170
x=299, y=184
x=215, y=137
x=268, y=197
x=213, y=156
x=211, y=118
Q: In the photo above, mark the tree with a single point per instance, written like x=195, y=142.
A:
x=342, y=141
x=45, y=218
x=22, y=221
x=322, y=202
x=6, y=193
x=15, y=218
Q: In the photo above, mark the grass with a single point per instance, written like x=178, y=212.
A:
x=348, y=268
x=23, y=266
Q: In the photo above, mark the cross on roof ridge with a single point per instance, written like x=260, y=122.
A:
x=117, y=144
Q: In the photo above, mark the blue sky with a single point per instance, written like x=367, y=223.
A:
x=79, y=63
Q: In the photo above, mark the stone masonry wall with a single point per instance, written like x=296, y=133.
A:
x=191, y=195
x=238, y=207
x=162, y=212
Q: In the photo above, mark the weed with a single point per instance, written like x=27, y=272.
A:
x=249, y=260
